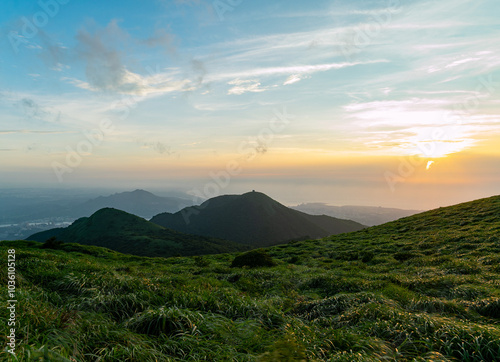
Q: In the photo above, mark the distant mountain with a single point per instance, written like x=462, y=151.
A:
x=366, y=215
x=252, y=218
x=138, y=202
x=19, y=209
x=130, y=234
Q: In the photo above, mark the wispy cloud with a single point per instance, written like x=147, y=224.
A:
x=294, y=73
x=406, y=126
x=294, y=78
x=243, y=86
x=136, y=84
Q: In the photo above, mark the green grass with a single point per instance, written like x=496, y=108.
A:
x=424, y=288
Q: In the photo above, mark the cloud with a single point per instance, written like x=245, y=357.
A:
x=199, y=70
x=78, y=83
x=159, y=147
x=54, y=54
x=36, y=112
x=104, y=67
x=32, y=110
x=261, y=148
x=106, y=70
x=417, y=126
x=294, y=78
x=297, y=70
x=243, y=86
x=59, y=67
x=161, y=39
x=136, y=84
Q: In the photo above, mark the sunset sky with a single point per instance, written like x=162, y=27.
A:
x=384, y=103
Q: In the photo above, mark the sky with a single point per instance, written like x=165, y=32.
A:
x=384, y=103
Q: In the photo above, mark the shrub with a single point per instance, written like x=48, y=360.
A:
x=253, y=259
x=52, y=243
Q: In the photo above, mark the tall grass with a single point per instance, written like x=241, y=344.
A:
x=424, y=288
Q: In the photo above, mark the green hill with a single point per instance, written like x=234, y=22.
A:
x=253, y=218
x=130, y=234
x=423, y=288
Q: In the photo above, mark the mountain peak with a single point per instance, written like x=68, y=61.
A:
x=109, y=211
x=141, y=192
x=254, y=193
x=252, y=218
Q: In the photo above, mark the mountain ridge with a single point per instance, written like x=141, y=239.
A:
x=252, y=218
x=121, y=231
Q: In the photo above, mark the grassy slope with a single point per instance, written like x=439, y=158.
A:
x=425, y=288
x=127, y=233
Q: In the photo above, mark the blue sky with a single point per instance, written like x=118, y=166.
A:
x=186, y=87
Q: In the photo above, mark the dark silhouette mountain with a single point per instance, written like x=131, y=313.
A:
x=252, y=218
x=46, y=234
x=138, y=202
x=366, y=215
x=130, y=234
